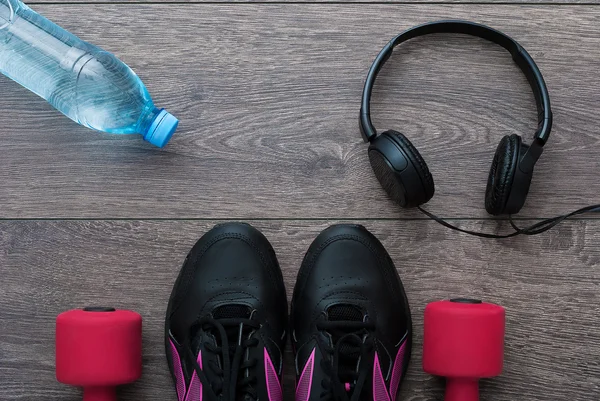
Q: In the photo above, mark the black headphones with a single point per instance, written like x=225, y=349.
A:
x=401, y=169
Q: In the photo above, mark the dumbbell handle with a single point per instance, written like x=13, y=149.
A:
x=99, y=394
x=462, y=390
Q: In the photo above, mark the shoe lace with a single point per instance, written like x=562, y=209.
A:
x=349, y=359
x=233, y=341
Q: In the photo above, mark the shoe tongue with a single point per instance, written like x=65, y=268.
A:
x=344, y=312
x=232, y=311
x=349, y=355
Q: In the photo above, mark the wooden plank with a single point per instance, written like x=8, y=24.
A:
x=268, y=98
x=549, y=285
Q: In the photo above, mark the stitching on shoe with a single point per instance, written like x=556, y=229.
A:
x=305, y=273
x=188, y=273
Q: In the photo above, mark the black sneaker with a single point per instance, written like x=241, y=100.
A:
x=351, y=324
x=226, y=319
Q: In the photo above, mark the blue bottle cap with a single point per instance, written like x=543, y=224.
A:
x=161, y=129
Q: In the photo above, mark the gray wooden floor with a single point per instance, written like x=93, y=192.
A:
x=268, y=97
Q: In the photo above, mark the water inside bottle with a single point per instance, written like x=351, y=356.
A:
x=89, y=85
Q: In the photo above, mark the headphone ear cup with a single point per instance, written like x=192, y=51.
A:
x=400, y=169
x=419, y=164
x=502, y=172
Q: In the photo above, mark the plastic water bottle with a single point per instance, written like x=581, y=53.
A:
x=89, y=85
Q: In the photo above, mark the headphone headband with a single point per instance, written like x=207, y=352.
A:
x=519, y=55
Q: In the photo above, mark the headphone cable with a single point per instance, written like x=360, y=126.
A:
x=534, y=229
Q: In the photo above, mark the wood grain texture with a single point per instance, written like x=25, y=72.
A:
x=548, y=284
x=268, y=97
